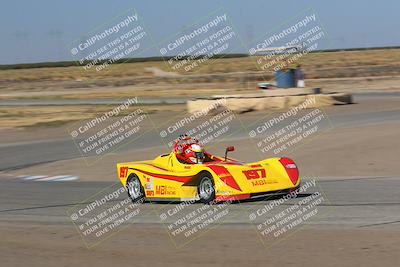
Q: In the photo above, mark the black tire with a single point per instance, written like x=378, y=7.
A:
x=134, y=188
x=206, y=189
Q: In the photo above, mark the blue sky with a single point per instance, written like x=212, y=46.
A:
x=43, y=30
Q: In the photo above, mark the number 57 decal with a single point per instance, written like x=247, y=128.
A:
x=255, y=174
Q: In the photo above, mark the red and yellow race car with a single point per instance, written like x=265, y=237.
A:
x=171, y=177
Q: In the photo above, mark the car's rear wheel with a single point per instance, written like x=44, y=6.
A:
x=206, y=189
x=134, y=188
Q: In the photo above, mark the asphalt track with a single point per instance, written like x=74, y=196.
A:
x=356, y=202
x=351, y=202
x=23, y=154
x=357, y=223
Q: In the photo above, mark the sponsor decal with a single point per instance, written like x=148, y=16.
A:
x=149, y=185
x=258, y=182
x=165, y=190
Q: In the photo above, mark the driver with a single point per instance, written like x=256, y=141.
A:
x=194, y=153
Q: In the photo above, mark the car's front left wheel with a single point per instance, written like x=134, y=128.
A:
x=134, y=188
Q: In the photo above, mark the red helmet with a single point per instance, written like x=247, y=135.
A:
x=189, y=149
x=194, y=153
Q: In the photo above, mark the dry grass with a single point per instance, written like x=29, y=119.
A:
x=53, y=116
x=389, y=57
x=132, y=79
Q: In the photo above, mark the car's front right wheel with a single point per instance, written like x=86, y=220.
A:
x=206, y=189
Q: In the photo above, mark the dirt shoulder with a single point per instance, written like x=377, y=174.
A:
x=140, y=245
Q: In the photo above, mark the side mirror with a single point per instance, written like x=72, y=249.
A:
x=229, y=149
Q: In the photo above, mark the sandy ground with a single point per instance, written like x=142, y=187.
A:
x=47, y=245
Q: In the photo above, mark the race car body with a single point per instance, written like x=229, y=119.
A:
x=216, y=179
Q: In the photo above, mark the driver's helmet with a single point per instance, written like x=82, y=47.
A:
x=194, y=153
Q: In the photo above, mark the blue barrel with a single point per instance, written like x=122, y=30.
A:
x=285, y=79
